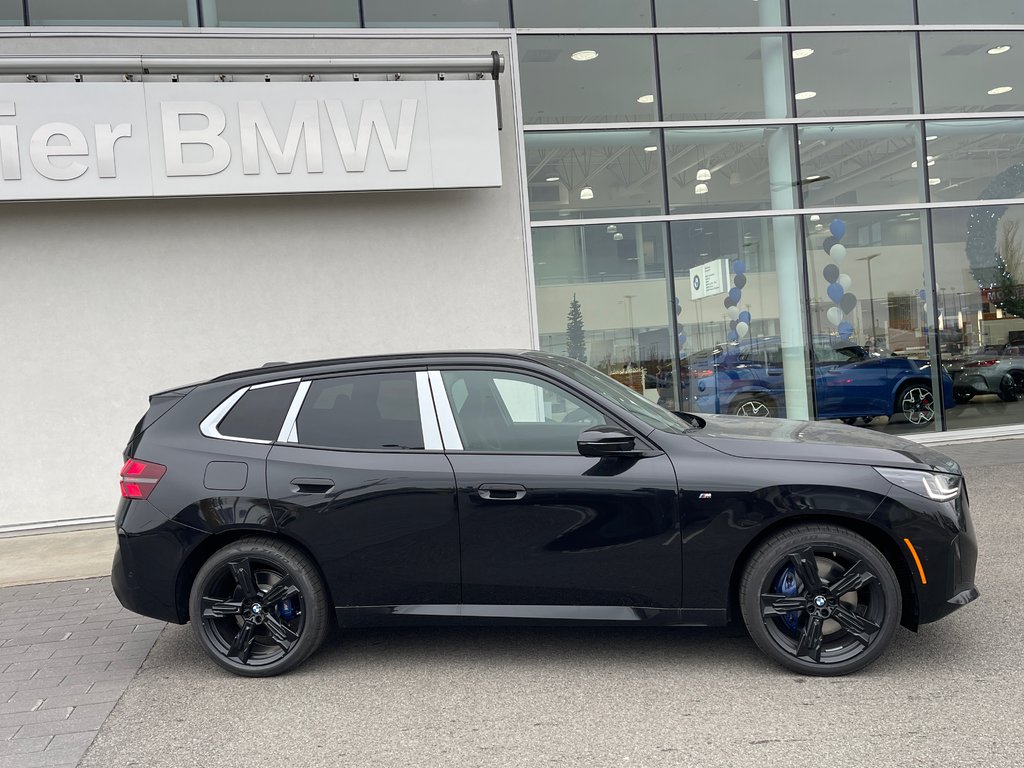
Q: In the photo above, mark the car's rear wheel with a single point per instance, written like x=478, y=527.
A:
x=258, y=607
x=820, y=600
x=756, y=405
x=1011, y=387
x=916, y=403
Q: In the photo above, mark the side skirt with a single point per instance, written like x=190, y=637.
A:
x=468, y=614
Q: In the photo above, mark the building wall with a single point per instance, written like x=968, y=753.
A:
x=103, y=303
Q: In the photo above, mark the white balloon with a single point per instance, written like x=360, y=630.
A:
x=838, y=252
x=845, y=281
x=733, y=312
x=742, y=329
x=834, y=315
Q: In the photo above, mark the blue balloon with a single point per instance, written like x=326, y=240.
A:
x=739, y=266
x=732, y=325
x=845, y=328
x=732, y=336
x=744, y=317
x=735, y=294
x=827, y=244
x=837, y=228
x=921, y=295
x=679, y=307
x=682, y=339
x=835, y=292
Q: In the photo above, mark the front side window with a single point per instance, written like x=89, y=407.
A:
x=366, y=412
x=511, y=412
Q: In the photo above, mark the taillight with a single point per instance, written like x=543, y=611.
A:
x=139, y=478
x=981, y=364
x=704, y=374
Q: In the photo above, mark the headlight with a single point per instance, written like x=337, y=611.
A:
x=931, y=485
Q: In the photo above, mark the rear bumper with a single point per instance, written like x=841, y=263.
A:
x=145, y=571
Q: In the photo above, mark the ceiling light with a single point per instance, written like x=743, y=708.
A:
x=815, y=217
x=586, y=194
x=611, y=228
x=802, y=53
x=585, y=55
x=934, y=180
x=700, y=189
x=551, y=178
x=647, y=98
x=931, y=162
x=1000, y=89
x=617, y=236
x=703, y=175
x=650, y=149
x=998, y=49
x=818, y=227
x=930, y=138
x=803, y=95
x=907, y=214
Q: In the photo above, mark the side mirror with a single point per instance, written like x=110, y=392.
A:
x=606, y=441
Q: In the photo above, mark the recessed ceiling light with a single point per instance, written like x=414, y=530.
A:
x=585, y=55
x=647, y=98
x=818, y=227
x=802, y=53
x=1000, y=89
x=618, y=236
x=930, y=138
x=703, y=175
x=611, y=229
x=586, y=193
x=815, y=217
x=998, y=49
x=934, y=180
x=803, y=95
x=650, y=149
x=551, y=178
x=700, y=189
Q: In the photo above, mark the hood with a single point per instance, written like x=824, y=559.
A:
x=816, y=441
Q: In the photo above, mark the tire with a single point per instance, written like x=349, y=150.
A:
x=962, y=398
x=916, y=403
x=754, y=405
x=235, y=624
x=847, y=628
x=1011, y=387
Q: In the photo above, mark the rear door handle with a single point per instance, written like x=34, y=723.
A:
x=501, y=492
x=312, y=484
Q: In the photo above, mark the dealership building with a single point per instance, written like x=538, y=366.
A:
x=684, y=193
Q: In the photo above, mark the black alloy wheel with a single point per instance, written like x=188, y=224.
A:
x=820, y=600
x=916, y=403
x=258, y=607
x=758, y=406
x=1011, y=387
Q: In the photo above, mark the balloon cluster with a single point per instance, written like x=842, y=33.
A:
x=739, y=321
x=839, y=283
x=679, y=311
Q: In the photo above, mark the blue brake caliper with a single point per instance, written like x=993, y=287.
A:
x=785, y=584
x=286, y=610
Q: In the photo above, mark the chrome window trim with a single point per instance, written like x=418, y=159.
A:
x=445, y=417
x=266, y=384
x=428, y=417
x=209, y=425
x=288, y=428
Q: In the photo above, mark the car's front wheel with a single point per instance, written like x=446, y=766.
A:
x=916, y=403
x=258, y=607
x=820, y=600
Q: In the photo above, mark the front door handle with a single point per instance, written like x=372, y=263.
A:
x=312, y=484
x=501, y=492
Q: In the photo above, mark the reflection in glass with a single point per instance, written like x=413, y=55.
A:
x=587, y=78
x=860, y=164
x=735, y=313
x=722, y=168
x=959, y=12
x=975, y=158
x=270, y=13
x=855, y=74
x=602, y=297
x=807, y=13
x=594, y=174
x=156, y=13
x=436, y=13
x=582, y=13
x=873, y=333
x=960, y=75
x=713, y=77
x=720, y=13
x=11, y=13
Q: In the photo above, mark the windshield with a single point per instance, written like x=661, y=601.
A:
x=649, y=413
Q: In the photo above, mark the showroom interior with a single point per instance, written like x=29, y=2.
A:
x=820, y=202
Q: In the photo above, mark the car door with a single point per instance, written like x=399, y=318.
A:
x=360, y=478
x=541, y=525
x=851, y=383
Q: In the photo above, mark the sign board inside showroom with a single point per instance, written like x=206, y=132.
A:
x=110, y=140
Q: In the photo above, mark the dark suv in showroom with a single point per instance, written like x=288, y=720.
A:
x=267, y=505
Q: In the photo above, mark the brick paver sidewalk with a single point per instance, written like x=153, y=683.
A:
x=67, y=652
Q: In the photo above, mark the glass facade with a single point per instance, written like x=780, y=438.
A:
x=766, y=208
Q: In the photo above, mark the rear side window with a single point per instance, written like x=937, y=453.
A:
x=367, y=412
x=260, y=413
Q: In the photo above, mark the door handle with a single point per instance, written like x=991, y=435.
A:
x=501, y=492
x=312, y=484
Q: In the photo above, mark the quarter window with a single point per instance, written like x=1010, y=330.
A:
x=368, y=412
x=259, y=414
x=499, y=411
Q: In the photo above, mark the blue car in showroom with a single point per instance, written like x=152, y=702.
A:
x=850, y=383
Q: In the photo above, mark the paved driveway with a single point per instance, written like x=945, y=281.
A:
x=952, y=695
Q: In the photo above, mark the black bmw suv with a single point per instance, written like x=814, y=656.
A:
x=501, y=487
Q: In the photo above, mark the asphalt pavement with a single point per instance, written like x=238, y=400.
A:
x=950, y=695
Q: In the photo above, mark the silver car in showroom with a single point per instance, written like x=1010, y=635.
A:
x=997, y=369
